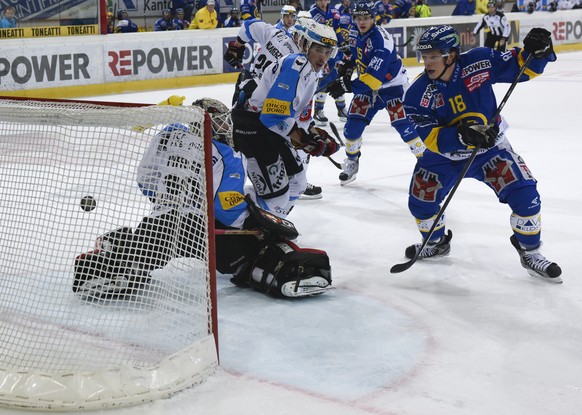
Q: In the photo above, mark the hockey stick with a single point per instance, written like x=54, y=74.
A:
x=337, y=134
x=405, y=43
x=404, y=266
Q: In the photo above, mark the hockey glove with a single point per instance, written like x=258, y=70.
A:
x=478, y=135
x=339, y=87
x=234, y=54
x=345, y=68
x=316, y=142
x=538, y=42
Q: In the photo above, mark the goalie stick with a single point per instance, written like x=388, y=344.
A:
x=406, y=265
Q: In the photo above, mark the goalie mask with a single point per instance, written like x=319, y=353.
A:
x=220, y=119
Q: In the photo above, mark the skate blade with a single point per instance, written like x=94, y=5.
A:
x=310, y=197
x=555, y=280
x=321, y=123
x=348, y=181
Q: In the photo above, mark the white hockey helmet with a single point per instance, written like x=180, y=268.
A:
x=309, y=32
x=220, y=119
x=288, y=10
x=305, y=14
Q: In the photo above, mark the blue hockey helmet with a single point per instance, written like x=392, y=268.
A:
x=180, y=11
x=444, y=38
x=364, y=8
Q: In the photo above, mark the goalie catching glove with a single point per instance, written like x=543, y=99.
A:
x=316, y=141
x=339, y=87
x=234, y=54
x=483, y=136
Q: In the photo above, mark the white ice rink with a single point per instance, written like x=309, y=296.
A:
x=469, y=334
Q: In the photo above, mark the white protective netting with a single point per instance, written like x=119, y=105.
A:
x=149, y=334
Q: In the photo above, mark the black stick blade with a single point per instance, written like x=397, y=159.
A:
x=398, y=268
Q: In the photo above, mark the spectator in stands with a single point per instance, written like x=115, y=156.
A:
x=464, y=8
x=124, y=24
x=234, y=19
x=481, y=6
x=186, y=5
x=8, y=21
x=421, y=9
x=180, y=22
x=206, y=17
x=110, y=22
x=527, y=6
x=569, y=4
x=165, y=23
x=383, y=12
x=401, y=9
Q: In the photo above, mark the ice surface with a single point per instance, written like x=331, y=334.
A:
x=468, y=334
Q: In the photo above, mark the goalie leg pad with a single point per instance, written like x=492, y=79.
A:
x=285, y=270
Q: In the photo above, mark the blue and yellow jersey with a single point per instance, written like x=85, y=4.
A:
x=437, y=108
x=377, y=62
x=250, y=9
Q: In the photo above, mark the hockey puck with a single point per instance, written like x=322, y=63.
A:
x=88, y=203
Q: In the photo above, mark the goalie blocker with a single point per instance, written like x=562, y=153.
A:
x=121, y=262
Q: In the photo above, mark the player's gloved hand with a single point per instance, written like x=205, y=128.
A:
x=234, y=54
x=316, y=142
x=478, y=135
x=345, y=67
x=538, y=42
x=339, y=87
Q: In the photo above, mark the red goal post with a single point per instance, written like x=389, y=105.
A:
x=66, y=350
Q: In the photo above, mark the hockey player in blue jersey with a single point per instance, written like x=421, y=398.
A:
x=250, y=9
x=452, y=104
x=380, y=84
x=271, y=123
x=322, y=12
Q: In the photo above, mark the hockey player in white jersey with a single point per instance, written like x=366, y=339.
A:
x=274, y=121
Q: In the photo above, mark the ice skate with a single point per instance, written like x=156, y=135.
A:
x=342, y=114
x=536, y=264
x=320, y=118
x=311, y=192
x=351, y=168
x=441, y=247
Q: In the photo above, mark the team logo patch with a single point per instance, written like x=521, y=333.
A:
x=276, y=106
x=498, y=173
x=428, y=93
x=395, y=110
x=425, y=185
x=475, y=81
x=360, y=105
x=475, y=67
x=228, y=200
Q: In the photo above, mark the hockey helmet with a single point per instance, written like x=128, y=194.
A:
x=364, y=8
x=288, y=10
x=180, y=11
x=444, y=38
x=492, y=3
x=309, y=32
x=304, y=14
x=122, y=14
x=220, y=119
x=166, y=13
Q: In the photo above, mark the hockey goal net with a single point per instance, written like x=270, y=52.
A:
x=76, y=329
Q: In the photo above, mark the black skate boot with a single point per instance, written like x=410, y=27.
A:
x=320, y=118
x=536, y=264
x=342, y=114
x=311, y=192
x=441, y=247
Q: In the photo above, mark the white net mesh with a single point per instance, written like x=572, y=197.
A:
x=138, y=325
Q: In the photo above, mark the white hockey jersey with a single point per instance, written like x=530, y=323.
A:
x=275, y=44
x=284, y=93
